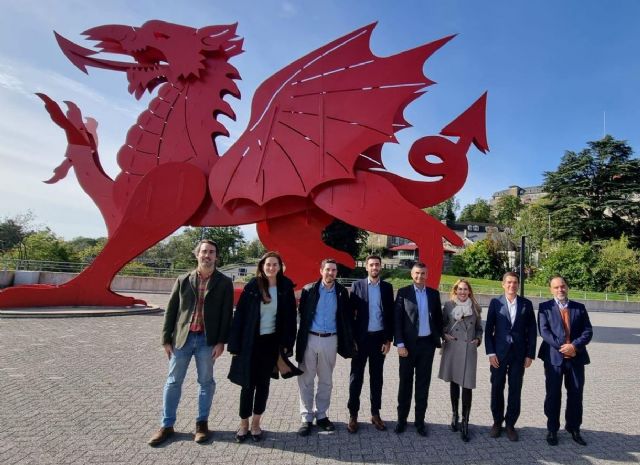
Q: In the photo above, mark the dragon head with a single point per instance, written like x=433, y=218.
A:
x=161, y=51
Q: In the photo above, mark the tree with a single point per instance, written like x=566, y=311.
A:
x=476, y=212
x=533, y=222
x=78, y=246
x=618, y=267
x=252, y=249
x=180, y=247
x=14, y=230
x=595, y=194
x=88, y=254
x=43, y=245
x=480, y=260
x=343, y=236
x=445, y=210
x=507, y=210
x=573, y=260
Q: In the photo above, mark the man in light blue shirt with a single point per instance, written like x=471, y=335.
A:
x=372, y=305
x=418, y=332
x=325, y=330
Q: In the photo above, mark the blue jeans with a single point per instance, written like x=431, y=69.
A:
x=196, y=346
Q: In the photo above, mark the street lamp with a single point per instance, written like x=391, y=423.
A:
x=522, y=276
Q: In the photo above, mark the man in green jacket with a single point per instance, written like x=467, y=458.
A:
x=196, y=324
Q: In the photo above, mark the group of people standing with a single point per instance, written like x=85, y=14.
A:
x=362, y=325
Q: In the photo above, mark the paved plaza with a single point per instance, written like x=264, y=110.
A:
x=88, y=391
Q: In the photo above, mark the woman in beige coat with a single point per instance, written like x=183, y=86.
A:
x=463, y=334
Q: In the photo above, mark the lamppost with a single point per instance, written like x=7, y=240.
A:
x=522, y=275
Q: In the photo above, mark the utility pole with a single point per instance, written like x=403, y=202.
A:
x=522, y=275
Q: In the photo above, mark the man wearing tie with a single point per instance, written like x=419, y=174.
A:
x=418, y=331
x=510, y=342
x=566, y=330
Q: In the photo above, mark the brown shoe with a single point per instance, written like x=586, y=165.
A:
x=512, y=434
x=353, y=426
x=496, y=430
x=160, y=436
x=378, y=423
x=202, y=432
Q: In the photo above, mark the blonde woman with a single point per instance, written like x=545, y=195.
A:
x=462, y=334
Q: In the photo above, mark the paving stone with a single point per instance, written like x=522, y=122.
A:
x=89, y=390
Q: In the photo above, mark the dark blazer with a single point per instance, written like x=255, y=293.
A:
x=553, y=335
x=218, y=309
x=360, y=306
x=501, y=336
x=307, y=310
x=246, y=327
x=406, y=317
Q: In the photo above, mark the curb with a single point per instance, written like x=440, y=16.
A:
x=78, y=312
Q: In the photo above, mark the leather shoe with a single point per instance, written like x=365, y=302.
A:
x=400, y=427
x=496, y=430
x=161, y=436
x=257, y=437
x=512, y=434
x=353, y=426
x=202, y=432
x=305, y=428
x=575, y=435
x=377, y=422
x=240, y=438
x=325, y=424
x=421, y=429
x=552, y=438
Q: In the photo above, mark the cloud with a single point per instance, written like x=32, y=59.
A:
x=25, y=79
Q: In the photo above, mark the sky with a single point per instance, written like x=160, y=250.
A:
x=557, y=73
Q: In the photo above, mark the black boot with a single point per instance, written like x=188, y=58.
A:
x=466, y=409
x=454, y=391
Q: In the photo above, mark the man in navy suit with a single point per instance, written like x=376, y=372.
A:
x=418, y=331
x=510, y=342
x=372, y=304
x=566, y=330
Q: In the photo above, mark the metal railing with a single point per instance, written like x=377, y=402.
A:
x=141, y=269
x=132, y=269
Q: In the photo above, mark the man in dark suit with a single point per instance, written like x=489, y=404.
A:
x=372, y=304
x=418, y=331
x=325, y=330
x=566, y=330
x=510, y=342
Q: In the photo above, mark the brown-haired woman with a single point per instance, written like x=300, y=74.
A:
x=264, y=324
x=463, y=334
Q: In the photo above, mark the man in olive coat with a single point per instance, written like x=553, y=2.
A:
x=196, y=324
x=325, y=329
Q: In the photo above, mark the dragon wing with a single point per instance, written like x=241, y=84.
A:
x=311, y=120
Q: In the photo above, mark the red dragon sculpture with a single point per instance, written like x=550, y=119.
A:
x=311, y=152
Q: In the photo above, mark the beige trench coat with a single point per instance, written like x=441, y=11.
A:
x=460, y=357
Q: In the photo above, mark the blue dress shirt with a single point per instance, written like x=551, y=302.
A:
x=324, y=321
x=375, y=307
x=423, y=312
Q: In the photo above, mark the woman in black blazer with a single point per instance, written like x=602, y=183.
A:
x=264, y=324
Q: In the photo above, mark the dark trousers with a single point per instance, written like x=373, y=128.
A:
x=370, y=348
x=511, y=368
x=419, y=361
x=253, y=398
x=573, y=374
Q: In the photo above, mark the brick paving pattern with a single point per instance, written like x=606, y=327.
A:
x=89, y=391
